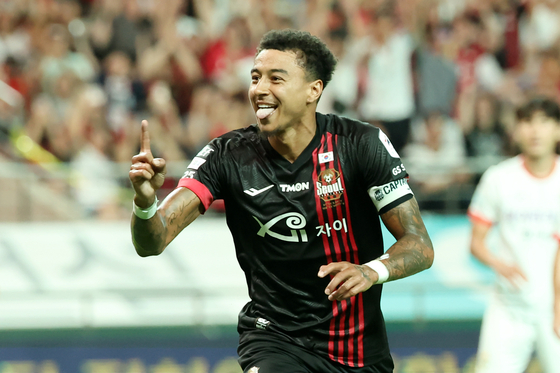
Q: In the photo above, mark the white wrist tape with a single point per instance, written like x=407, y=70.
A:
x=145, y=214
x=379, y=267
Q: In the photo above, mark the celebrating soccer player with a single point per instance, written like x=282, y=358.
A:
x=522, y=197
x=303, y=194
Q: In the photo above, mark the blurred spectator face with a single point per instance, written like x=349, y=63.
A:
x=117, y=64
x=279, y=90
x=160, y=99
x=549, y=74
x=434, y=130
x=64, y=85
x=237, y=34
x=538, y=136
x=465, y=30
x=59, y=41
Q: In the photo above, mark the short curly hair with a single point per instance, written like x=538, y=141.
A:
x=542, y=104
x=311, y=53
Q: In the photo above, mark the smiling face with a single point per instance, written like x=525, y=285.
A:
x=280, y=93
x=537, y=137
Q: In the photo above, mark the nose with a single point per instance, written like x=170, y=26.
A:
x=261, y=87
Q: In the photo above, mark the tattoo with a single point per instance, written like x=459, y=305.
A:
x=413, y=251
x=364, y=273
x=150, y=237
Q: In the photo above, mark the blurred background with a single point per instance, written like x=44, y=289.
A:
x=441, y=77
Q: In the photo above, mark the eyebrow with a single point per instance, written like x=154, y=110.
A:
x=281, y=71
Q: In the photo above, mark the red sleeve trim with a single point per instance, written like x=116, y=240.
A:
x=557, y=236
x=201, y=191
x=479, y=218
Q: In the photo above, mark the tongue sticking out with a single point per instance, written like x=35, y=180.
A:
x=263, y=113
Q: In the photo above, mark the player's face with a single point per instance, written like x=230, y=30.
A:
x=280, y=93
x=538, y=136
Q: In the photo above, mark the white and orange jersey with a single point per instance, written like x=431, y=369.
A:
x=525, y=210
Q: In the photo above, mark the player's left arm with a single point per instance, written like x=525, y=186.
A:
x=412, y=253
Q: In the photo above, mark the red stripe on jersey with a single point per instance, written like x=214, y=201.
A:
x=336, y=244
x=361, y=323
x=199, y=189
x=348, y=252
x=343, y=304
x=326, y=246
x=477, y=217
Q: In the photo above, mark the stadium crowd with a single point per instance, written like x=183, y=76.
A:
x=441, y=77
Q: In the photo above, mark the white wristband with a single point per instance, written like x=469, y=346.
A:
x=145, y=214
x=379, y=267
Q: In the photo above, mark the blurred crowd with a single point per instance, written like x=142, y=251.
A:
x=441, y=77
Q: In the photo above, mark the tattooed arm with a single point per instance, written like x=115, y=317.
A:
x=177, y=211
x=411, y=254
x=413, y=251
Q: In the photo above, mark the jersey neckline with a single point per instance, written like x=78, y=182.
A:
x=552, y=171
x=305, y=155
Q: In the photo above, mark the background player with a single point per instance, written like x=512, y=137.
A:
x=557, y=286
x=303, y=192
x=521, y=196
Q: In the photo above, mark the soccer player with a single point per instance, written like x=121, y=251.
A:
x=521, y=197
x=557, y=288
x=303, y=194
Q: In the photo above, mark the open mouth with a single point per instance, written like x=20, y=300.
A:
x=265, y=111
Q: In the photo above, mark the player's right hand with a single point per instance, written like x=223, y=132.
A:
x=512, y=273
x=146, y=172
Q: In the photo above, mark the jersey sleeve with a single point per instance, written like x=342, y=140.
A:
x=484, y=206
x=384, y=173
x=204, y=174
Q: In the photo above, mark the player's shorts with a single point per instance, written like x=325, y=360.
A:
x=510, y=335
x=261, y=352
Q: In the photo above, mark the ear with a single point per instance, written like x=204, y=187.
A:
x=315, y=91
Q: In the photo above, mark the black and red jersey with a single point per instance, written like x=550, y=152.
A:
x=288, y=219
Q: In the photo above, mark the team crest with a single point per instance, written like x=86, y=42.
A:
x=329, y=188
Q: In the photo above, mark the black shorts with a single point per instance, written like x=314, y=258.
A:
x=263, y=352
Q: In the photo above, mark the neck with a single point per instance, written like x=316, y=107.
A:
x=540, y=166
x=291, y=142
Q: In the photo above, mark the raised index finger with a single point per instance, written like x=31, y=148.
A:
x=145, y=138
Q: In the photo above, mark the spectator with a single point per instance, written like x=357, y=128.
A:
x=59, y=59
x=389, y=96
x=173, y=60
x=435, y=158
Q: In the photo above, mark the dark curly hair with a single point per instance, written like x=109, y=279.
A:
x=311, y=53
x=545, y=105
